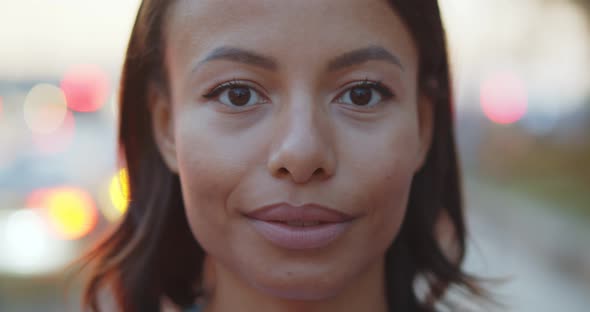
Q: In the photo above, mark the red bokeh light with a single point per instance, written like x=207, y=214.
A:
x=86, y=88
x=504, y=98
x=35, y=198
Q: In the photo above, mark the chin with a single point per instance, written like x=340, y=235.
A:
x=305, y=293
x=309, y=289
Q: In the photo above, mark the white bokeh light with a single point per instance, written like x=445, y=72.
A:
x=26, y=246
x=45, y=108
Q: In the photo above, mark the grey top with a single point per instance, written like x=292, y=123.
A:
x=194, y=308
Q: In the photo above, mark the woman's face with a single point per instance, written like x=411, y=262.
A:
x=295, y=102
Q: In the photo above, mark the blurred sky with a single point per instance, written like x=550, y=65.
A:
x=44, y=37
x=544, y=42
x=540, y=47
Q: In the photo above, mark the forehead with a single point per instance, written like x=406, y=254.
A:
x=291, y=31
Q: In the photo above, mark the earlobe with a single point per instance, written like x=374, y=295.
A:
x=426, y=128
x=162, y=119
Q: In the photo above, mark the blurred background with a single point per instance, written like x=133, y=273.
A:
x=522, y=86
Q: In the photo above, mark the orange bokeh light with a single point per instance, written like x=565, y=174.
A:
x=119, y=193
x=86, y=87
x=504, y=98
x=71, y=212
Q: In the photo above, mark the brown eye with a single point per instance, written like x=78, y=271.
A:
x=239, y=96
x=366, y=94
x=235, y=94
x=360, y=95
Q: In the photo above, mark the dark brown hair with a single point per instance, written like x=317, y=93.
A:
x=152, y=253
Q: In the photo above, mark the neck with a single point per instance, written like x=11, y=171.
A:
x=230, y=293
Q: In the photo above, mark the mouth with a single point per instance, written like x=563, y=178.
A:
x=299, y=223
x=311, y=214
x=309, y=226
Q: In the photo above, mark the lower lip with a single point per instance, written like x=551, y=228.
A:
x=300, y=237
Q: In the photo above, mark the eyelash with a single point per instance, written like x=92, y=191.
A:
x=383, y=90
x=226, y=85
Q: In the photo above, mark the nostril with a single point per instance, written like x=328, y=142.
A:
x=318, y=171
x=283, y=171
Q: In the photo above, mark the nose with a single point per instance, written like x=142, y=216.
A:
x=302, y=147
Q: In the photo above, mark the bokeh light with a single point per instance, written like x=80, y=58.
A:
x=25, y=241
x=119, y=194
x=504, y=98
x=86, y=87
x=58, y=140
x=71, y=211
x=45, y=108
x=36, y=198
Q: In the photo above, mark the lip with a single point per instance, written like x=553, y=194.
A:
x=271, y=223
x=283, y=212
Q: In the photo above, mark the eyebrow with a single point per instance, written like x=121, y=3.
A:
x=241, y=56
x=359, y=56
x=348, y=59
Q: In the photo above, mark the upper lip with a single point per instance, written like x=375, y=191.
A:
x=283, y=212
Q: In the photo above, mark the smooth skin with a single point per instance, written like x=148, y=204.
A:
x=310, y=126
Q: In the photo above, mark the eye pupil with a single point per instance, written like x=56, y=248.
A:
x=239, y=96
x=360, y=95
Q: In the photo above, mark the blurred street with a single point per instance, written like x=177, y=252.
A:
x=544, y=257
x=505, y=242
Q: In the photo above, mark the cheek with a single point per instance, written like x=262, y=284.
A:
x=389, y=200
x=209, y=169
x=202, y=191
x=384, y=177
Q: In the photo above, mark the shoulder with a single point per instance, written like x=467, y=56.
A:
x=168, y=306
